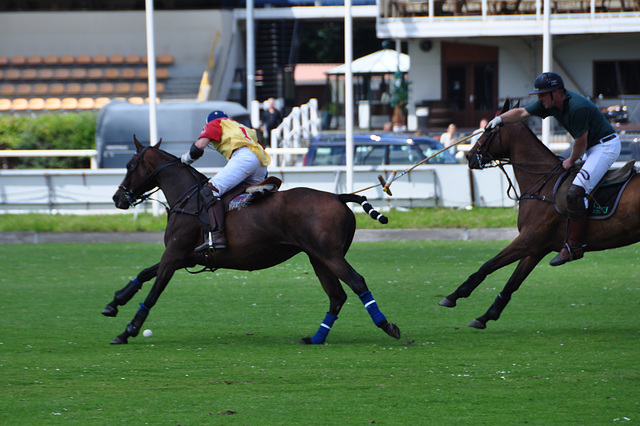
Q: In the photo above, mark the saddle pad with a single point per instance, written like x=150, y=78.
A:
x=239, y=201
x=605, y=200
x=602, y=202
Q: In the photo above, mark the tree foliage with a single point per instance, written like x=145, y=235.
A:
x=48, y=131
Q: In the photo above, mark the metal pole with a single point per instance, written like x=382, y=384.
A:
x=547, y=63
x=151, y=67
x=348, y=93
x=251, y=61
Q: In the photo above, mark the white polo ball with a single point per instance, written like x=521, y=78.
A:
x=147, y=333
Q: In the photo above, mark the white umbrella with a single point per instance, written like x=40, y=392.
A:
x=381, y=62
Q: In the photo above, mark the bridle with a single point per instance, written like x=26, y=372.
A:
x=533, y=191
x=484, y=143
x=130, y=194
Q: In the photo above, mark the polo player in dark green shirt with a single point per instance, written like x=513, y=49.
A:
x=594, y=139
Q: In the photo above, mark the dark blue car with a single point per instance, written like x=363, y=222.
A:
x=375, y=149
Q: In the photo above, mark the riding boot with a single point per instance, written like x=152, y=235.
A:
x=574, y=246
x=218, y=236
x=215, y=239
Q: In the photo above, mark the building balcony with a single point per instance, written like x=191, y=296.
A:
x=404, y=19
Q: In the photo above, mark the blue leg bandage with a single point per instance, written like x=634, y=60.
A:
x=372, y=307
x=324, y=329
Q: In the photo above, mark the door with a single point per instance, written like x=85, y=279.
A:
x=470, y=82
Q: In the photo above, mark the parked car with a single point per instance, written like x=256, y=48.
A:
x=375, y=149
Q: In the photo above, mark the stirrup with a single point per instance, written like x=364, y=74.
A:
x=567, y=254
x=203, y=248
x=210, y=245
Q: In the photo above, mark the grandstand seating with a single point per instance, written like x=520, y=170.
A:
x=83, y=82
x=5, y=104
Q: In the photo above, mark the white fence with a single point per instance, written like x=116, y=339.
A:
x=90, y=191
x=295, y=130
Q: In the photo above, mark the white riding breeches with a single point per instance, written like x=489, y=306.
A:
x=599, y=159
x=243, y=166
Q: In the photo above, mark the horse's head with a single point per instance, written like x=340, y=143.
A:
x=141, y=171
x=486, y=150
x=489, y=147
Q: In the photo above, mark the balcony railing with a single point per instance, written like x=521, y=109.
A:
x=464, y=8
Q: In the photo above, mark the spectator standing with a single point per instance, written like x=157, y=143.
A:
x=449, y=137
x=271, y=118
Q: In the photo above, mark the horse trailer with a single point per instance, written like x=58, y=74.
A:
x=179, y=126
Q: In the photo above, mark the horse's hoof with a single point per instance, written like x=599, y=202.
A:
x=110, y=311
x=392, y=330
x=447, y=303
x=306, y=341
x=477, y=324
x=119, y=341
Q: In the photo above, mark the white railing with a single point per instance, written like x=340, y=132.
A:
x=294, y=133
x=302, y=123
x=287, y=156
x=296, y=130
x=279, y=155
x=91, y=153
x=86, y=191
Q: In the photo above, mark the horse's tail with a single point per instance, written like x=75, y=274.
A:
x=368, y=208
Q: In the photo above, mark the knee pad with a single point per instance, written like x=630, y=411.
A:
x=576, y=205
x=207, y=196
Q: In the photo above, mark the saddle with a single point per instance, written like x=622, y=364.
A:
x=244, y=195
x=605, y=196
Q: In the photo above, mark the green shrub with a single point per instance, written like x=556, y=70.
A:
x=48, y=131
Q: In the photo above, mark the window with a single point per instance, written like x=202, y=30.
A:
x=369, y=155
x=403, y=154
x=444, y=157
x=329, y=156
x=616, y=78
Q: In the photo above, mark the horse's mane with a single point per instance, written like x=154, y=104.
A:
x=506, y=107
x=533, y=135
x=194, y=172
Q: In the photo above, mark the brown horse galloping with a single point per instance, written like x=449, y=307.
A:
x=260, y=236
x=541, y=228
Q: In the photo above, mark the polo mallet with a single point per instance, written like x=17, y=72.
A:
x=394, y=176
x=386, y=184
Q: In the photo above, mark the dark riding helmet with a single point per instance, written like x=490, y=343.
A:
x=215, y=115
x=546, y=82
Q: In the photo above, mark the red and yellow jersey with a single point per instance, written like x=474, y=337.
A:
x=227, y=135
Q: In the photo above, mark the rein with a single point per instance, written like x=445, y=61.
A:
x=533, y=191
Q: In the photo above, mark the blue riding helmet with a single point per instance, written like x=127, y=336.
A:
x=215, y=115
x=546, y=82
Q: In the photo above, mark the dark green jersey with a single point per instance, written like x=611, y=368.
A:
x=578, y=115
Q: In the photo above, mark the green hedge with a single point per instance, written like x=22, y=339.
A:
x=48, y=131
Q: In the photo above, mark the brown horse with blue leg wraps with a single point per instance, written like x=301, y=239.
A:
x=541, y=226
x=261, y=235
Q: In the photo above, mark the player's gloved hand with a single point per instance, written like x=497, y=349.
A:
x=494, y=124
x=186, y=158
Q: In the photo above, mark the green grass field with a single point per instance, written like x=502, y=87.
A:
x=399, y=219
x=224, y=349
